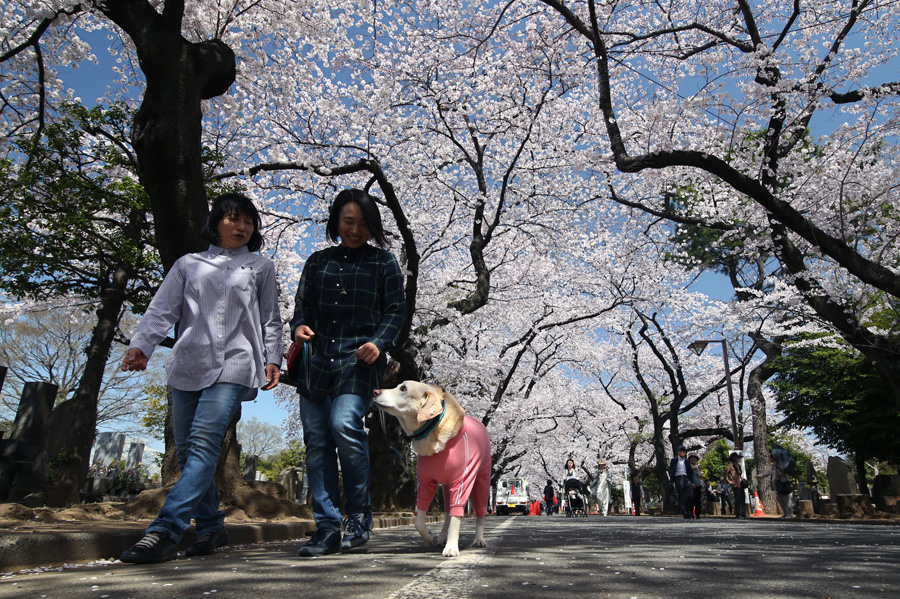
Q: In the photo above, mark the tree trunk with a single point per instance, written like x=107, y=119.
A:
x=168, y=127
x=69, y=474
x=758, y=376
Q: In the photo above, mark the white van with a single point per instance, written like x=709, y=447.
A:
x=512, y=496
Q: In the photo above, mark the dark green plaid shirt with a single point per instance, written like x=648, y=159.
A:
x=349, y=297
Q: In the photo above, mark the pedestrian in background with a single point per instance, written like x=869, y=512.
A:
x=349, y=308
x=680, y=473
x=225, y=303
x=600, y=488
x=549, y=497
x=637, y=494
x=697, y=482
x=734, y=476
x=723, y=490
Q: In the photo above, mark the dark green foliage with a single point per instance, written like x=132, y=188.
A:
x=70, y=204
x=839, y=395
x=715, y=460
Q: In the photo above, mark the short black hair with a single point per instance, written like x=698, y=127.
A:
x=231, y=203
x=370, y=212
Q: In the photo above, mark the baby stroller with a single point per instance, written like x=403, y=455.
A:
x=576, y=504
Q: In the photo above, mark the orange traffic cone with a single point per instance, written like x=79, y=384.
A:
x=759, y=510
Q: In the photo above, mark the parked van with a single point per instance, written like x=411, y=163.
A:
x=512, y=496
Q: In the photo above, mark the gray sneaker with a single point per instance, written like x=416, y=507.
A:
x=356, y=530
x=325, y=540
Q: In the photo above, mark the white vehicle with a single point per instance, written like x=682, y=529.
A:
x=512, y=496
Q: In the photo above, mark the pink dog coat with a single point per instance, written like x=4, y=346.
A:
x=463, y=467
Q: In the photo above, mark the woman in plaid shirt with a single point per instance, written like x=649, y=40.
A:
x=350, y=306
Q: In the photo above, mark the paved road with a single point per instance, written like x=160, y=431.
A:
x=556, y=558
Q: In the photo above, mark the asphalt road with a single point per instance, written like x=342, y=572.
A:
x=552, y=557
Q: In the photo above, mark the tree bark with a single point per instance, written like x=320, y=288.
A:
x=756, y=380
x=69, y=475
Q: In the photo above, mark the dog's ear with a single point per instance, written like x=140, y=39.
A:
x=432, y=406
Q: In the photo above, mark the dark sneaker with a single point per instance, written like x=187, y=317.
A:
x=325, y=540
x=356, y=530
x=154, y=548
x=208, y=542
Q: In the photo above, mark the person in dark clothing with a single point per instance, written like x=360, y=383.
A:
x=350, y=306
x=734, y=476
x=549, y=496
x=637, y=494
x=697, y=481
x=680, y=475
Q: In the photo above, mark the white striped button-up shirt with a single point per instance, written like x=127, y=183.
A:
x=226, y=301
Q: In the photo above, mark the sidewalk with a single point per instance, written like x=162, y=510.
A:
x=32, y=544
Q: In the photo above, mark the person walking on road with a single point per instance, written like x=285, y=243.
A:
x=680, y=474
x=723, y=490
x=637, y=494
x=225, y=302
x=600, y=488
x=697, y=482
x=349, y=308
x=549, y=497
x=734, y=476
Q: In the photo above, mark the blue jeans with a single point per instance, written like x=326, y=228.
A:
x=336, y=424
x=200, y=420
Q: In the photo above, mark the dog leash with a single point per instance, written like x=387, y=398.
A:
x=391, y=445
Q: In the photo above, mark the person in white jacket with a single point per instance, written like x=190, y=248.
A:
x=600, y=488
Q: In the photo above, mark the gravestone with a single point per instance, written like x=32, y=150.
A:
x=250, y=468
x=108, y=449
x=840, y=478
x=26, y=441
x=135, y=455
x=292, y=480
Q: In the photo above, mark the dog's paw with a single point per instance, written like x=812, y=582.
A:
x=441, y=539
x=478, y=543
x=451, y=550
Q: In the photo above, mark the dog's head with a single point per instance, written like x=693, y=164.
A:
x=411, y=402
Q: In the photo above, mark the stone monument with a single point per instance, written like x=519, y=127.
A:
x=840, y=478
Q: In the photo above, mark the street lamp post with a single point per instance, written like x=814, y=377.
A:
x=697, y=347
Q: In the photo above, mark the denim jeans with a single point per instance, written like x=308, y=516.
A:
x=200, y=420
x=336, y=424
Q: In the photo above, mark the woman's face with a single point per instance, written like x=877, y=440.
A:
x=235, y=230
x=352, y=227
x=570, y=464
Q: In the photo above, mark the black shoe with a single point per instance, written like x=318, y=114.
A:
x=356, y=530
x=325, y=540
x=154, y=548
x=208, y=542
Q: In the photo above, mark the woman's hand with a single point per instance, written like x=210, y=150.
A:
x=303, y=333
x=368, y=353
x=273, y=374
x=134, y=360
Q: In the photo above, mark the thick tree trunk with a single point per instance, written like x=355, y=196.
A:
x=168, y=126
x=758, y=377
x=69, y=474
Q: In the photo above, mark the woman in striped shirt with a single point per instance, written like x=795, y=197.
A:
x=225, y=303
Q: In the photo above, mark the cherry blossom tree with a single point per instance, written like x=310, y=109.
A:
x=724, y=101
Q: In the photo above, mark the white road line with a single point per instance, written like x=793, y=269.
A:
x=453, y=577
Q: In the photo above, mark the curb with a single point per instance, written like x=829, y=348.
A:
x=24, y=548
